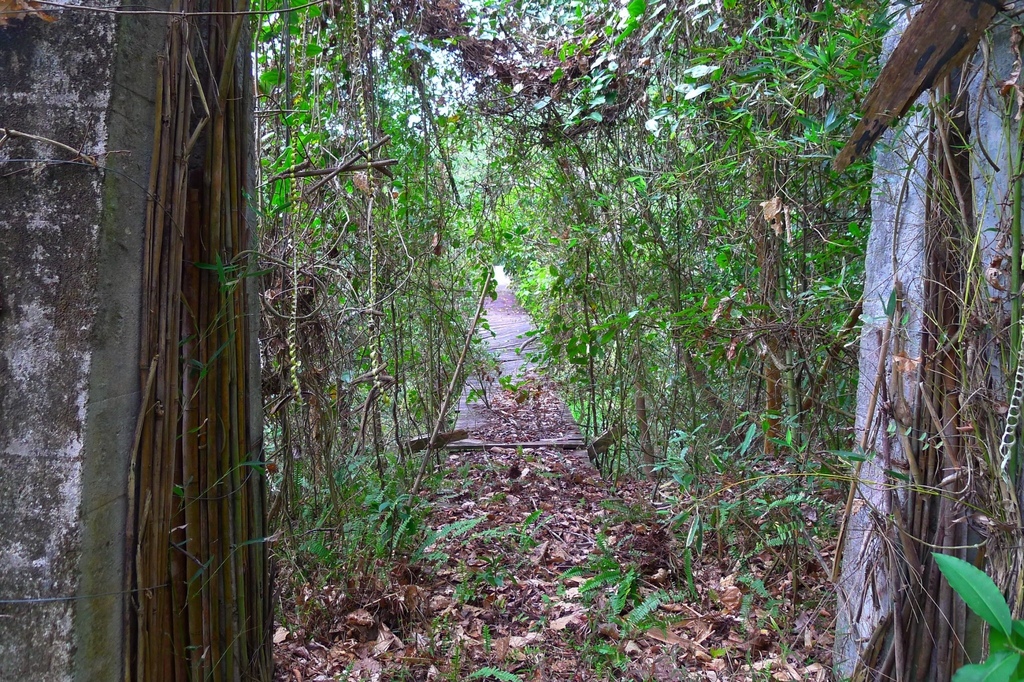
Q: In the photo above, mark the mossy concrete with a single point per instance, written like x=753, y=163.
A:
x=70, y=276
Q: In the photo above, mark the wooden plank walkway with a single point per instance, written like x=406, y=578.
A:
x=562, y=444
x=510, y=325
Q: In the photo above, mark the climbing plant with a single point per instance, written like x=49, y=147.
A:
x=681, y=237
x=369, y=278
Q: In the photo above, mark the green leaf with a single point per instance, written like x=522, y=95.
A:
x=701, y=70
x=748, y=439
x=639, y=184
x=999, y=667
x=977, y=590
x=695, y=534
x=271, y=78
x=496, y=673
x=636, y=8
x=997, y=641
x=626, y=32
x=1018, y=633
x=697, y=92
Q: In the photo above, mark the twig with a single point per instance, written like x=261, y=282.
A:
x=302, y=169
x=10, y=132
x=451, y=385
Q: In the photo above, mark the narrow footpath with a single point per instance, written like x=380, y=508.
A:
x=534, y=568
x=530, y=411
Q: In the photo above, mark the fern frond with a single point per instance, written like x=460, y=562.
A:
x=610, y=577
x=623, y=591
x=646, y=608
x=454, y=529
x=496, y=673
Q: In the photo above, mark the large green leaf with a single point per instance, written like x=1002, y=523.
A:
x=977, y=590
x=999, y=667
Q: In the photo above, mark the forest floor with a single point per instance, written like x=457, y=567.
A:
x=537, y=568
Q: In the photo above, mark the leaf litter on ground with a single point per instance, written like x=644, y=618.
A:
x=530, y=588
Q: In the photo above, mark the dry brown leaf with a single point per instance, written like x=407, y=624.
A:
x=731, y=598
x=19, y=9
x=994, y=277
x=385, y=640
x=529, y=638
x=501, y=646
x=360, y=618
x=280, y=635
x=361, y=181
x=565, y=621
x=557, y=553
x=660, y=577
x=717, y=664
x=666, y=636
x=773, y=214
x=440, y=603
x=370, y=666
x=1013, y=82
x=539, y=553
x=904, y=363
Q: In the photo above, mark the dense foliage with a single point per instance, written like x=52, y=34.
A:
x=654, y=176
x=673, y=221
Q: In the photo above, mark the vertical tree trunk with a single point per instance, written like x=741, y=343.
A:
x=929, y=387
x=646, y=446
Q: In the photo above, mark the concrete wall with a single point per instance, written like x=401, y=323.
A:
x=70, y=271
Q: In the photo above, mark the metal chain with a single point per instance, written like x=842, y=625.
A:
x=1009, y=440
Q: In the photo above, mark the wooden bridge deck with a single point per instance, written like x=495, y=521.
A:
x=496, y=424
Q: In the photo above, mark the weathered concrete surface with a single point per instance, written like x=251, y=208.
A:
x=895, y=256
x=70, y=267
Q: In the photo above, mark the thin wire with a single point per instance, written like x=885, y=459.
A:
x=78, y=597
x=108, y=10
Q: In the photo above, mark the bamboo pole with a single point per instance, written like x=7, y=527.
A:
x=451, y=386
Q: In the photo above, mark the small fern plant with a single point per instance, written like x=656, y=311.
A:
x=1005, y=662
x=495, y=673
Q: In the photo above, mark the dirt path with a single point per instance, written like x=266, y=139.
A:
x=534, y=569
x=528, y=566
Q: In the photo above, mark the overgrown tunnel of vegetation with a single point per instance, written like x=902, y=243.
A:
x=657, y=180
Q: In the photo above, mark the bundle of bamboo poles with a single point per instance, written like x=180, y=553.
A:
x=201, y=581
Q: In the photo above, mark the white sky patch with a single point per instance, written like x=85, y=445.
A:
x=500, y=277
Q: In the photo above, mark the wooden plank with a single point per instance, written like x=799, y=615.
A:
x=421, y=442
x=469, y=444
x=939, y=38
x=604, y=442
